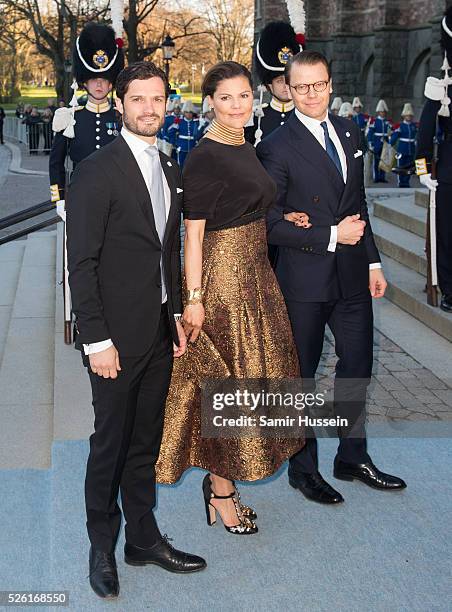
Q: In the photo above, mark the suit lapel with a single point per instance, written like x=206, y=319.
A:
x=127, y=164
x=170, y=175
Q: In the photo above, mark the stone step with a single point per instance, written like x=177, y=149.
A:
x=11, y=255
x=403, y=213
x=73, y=412
x=422, y=198
x=26, y=375
x=406, y=290
x=401, y=245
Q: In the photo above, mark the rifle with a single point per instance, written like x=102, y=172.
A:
x=430, y=241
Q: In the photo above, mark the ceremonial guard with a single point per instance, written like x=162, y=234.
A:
x=2, y=118
x=346, y=110
x=361, y=120
x=172, y=115
x=184, y=134
x=80, y=130
x=336, y=105
x=276, y=45
x=379, y=132
x=404, y=139
x=206, y=118
x=434, y=144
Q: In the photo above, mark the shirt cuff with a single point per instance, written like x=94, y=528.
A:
x=97, y=347
x=177, y=316
x=375, y=266
x=333, y=239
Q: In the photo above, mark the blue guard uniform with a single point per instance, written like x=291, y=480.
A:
x=184, y=137
x=361, y=120
x=404, y=139
x=379, y=132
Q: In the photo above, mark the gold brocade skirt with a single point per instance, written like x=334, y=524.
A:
x=246, y=334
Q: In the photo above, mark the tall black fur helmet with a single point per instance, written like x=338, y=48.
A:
x=446, y=34
x=97, y=53
x=276, y=45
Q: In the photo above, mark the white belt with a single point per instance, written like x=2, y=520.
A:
x=186, y=137
x=379, y=134
x=407, y=139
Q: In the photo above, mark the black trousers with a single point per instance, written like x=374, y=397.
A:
x=125, y=445
x=351, y=322
x=444, y=236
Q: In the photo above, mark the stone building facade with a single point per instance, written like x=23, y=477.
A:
x=378, y=48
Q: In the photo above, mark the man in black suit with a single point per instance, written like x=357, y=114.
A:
x=123, y=218
x=329, y=271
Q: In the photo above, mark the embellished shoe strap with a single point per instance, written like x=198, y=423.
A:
x=215, y=496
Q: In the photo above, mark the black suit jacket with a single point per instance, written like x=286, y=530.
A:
x=307, y=180
x=114, y=250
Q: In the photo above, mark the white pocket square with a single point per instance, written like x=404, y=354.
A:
x=358, y=153
x=179, y=190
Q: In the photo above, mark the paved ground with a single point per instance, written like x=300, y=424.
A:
x=19, y=191
x=401, y=388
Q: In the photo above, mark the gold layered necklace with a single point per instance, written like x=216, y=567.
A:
x=226, y=134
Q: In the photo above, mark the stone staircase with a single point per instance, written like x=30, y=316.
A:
x=399, y=225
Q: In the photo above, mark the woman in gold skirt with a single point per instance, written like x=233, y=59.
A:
x=234, y=315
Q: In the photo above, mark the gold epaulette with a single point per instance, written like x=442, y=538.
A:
x=54, y=193
x=421, y=166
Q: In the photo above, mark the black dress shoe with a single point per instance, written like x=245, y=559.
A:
x=103, y=576
x=164, y=555
x=367, y=473
x=315, y=488
x=446, y=303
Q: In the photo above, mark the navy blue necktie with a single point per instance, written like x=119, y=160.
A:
x=331, y=149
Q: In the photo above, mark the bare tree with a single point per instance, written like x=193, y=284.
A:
x=53, y=29
x=138, y=11
x=230, y=23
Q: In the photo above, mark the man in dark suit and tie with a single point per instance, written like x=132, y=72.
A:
x=330, y=271
x=123, y=219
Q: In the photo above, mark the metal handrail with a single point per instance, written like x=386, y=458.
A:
x=27, y=213
x=29, y=230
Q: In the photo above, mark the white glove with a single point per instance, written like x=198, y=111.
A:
x=61, y=210
x=427, y=181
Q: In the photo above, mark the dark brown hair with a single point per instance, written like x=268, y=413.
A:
x=306, y=58
x=138, y=71
x=221, y=72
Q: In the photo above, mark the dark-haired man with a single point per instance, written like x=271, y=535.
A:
x=125, y=279
x=329, y=271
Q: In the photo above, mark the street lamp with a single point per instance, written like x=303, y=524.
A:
x=168, y=51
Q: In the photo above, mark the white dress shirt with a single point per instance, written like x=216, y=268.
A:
x=313, y=125
x=138, y=148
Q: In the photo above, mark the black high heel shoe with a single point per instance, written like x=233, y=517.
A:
x=245, y=510
x=245, y=526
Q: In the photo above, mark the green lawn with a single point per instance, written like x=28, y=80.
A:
x=37, y=96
